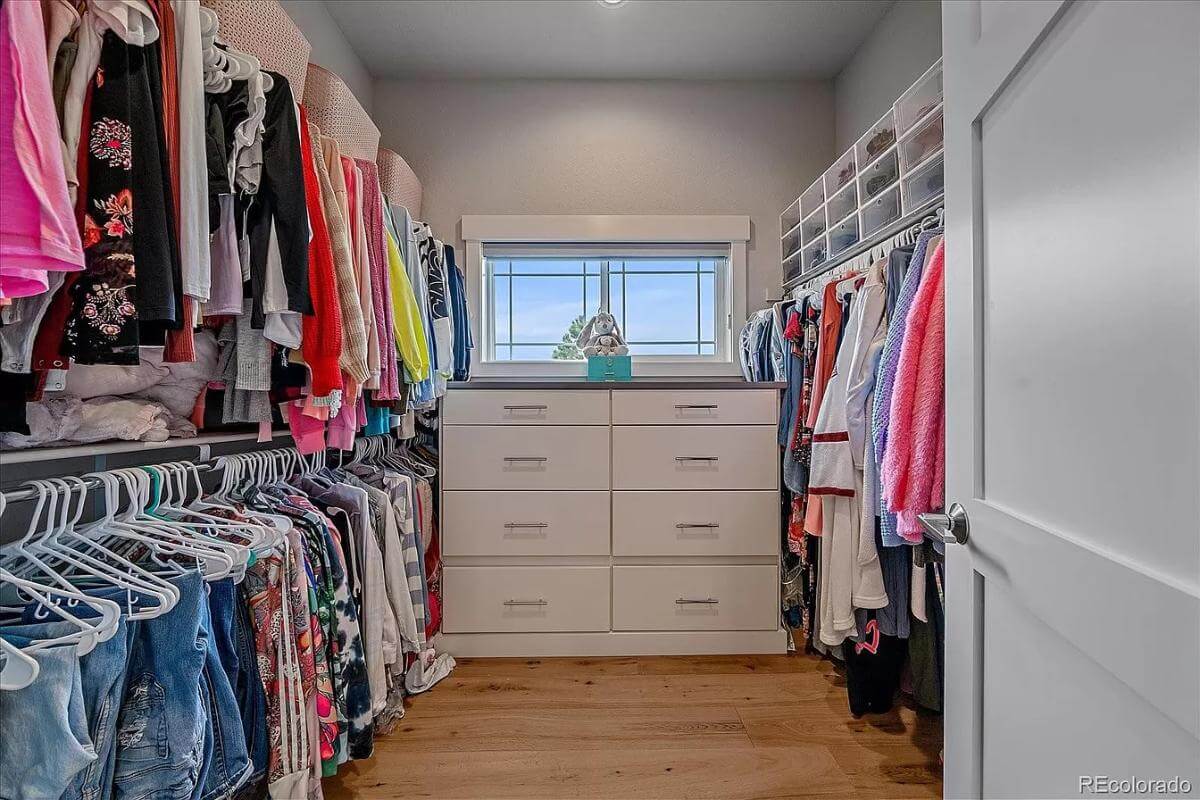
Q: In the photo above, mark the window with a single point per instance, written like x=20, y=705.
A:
x=675, y=282
x=671, y=302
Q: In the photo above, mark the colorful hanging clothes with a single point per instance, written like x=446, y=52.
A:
x=37, y=228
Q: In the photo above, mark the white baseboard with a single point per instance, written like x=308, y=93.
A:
x=624, y=643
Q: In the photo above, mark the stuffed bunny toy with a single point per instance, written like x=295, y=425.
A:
x=602, y=337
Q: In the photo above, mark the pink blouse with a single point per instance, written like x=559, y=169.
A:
x=37, y=226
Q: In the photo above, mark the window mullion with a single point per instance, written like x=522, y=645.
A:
x=605, y=295
x=624, y=300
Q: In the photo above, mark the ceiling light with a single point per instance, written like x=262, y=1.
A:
x=611, y=3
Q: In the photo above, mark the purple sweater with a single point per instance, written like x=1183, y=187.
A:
x=886, y=379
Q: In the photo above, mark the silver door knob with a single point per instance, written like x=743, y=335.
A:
x=951, y=528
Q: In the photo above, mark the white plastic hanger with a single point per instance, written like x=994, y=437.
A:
x=91, y=630
x=209, y=555
x=156, y=596
x=249, y=534
x=24, y=554
x=173, y=485
x=235, y=471
x=17, y=669
x=257, y=536
x=232, y=538
x=110, y=534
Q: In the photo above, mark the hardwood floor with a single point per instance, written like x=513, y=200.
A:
x=721, y=727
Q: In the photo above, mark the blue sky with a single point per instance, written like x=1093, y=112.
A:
x=656, y=308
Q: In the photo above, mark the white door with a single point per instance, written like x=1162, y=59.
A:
x=1073, y=391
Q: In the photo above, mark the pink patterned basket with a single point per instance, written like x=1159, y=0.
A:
x=334, y=109
x=263, y=29
x=399, y=182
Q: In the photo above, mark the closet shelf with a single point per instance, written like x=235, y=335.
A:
x=35, y=454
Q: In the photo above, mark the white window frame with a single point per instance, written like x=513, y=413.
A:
x=732, y=231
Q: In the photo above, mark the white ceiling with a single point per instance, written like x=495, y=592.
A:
x=687, y=39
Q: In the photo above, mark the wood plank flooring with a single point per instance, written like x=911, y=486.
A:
x=720, y=727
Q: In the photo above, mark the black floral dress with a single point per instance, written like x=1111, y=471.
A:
x=130, y=290
x=102, y=327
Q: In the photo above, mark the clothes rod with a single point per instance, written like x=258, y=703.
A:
x=205, y=463
x=17, y=495
x=876, y=239
x=11, y=458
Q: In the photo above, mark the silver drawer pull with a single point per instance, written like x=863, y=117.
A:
x=696, y=458
x=527, y=408
x=683, y=525
x=518, y=459
x=687, y=601
x=511, y=525
x=538, y=602
x=704, y=406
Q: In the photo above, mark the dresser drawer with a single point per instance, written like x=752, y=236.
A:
x=525, y=523
x=695, y=523
x=525, y=457
x=695, y=457
x=526, y=599
x=500, y=407
x=696, y=598
x=730, y=407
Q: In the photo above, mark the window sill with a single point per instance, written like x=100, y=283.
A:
x=578, y=369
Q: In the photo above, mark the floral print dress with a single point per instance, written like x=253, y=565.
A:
x=102, y=327
x=130, y=292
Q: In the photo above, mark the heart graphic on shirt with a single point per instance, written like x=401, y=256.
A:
x=870, y=641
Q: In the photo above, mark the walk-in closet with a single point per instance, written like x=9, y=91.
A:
x=599, y=399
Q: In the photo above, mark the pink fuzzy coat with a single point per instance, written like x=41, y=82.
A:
x=914, y=464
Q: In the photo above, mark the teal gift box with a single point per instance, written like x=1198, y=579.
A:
x=610, y=368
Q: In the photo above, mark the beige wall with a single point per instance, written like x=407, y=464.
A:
x=901, y=46
x=329, y=46
x=612, y=147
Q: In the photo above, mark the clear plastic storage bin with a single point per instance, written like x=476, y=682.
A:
x=840, y=174
x=843, y=235
x=924, y=184
x=813, y=226
x=842, y=204
x=790, y=243
x=877, y=140
x=815, y=254
x=791, y=267
x=920, y=98
x=922, y=141
x=880, y=211
x=879, y=176
x=812, y=197
x=790, y=217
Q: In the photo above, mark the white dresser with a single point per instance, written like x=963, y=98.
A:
x=610, y=521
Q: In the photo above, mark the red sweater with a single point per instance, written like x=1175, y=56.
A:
x=322, y=343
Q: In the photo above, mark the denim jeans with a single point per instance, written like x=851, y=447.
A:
x=161, y=727
x=102, y=675
x=163, y=718
x=235, y=645
x=228, y=763
x=44, y=740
